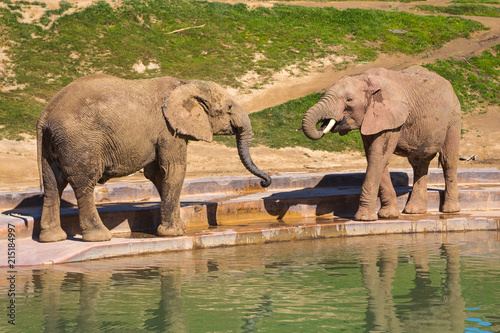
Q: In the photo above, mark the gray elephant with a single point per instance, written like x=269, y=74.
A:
x=100, y=127
x=413, y=113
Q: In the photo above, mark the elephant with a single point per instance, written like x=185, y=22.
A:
x=101, y=127
x=413, y=113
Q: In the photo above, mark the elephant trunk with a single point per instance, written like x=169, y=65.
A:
x=321, y=111
x=243, y=138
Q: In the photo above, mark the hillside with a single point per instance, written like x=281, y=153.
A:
x=481, y=126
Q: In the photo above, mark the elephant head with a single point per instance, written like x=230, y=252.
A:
x=369, y=102
x=200, y=109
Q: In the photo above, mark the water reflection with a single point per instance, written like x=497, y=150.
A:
x=398, y=283
x=378, y=269
x=55, y=285
x=262, y=311
x=422, y=311
x=50, y=282
x=170, y=315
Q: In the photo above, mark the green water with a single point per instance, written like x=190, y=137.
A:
x=396, y=283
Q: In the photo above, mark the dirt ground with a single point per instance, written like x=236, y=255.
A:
x=18, y=165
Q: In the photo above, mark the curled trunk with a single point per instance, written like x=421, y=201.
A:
x=317, y=113
x=243, y=138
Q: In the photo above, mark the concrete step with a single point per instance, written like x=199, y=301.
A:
x=32, y=253
x=233, y=211
x=144, y=191
x=231, y=208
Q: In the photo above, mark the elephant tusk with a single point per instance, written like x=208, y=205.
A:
x=330, y=125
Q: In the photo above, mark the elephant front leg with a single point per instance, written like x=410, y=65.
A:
x=378, y=149
x=170, y=193
x=168, y=176
x=388, y=200
x=368, y=199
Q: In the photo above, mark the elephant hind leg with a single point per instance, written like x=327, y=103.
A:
x=54, y=184
x=448, y=159
x=417, y=203
x=93, y=230
x=153, y=173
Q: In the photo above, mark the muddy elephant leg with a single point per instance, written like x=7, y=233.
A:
x=449, y=159
x=168, y=177
x=417, y=203
x=171, y=222
x=388, y=200
x=154, y=173
x=93, y=230
x=54, y=184
x=378, y=149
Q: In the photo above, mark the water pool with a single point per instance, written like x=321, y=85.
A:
x=395, y=283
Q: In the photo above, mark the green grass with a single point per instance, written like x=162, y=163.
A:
x=463, y=9
x=276, y=127
x=47, y=56
x=476, y=83
x=494, y=2
x=339, y=0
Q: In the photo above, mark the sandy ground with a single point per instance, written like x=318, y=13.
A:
x=18, y=166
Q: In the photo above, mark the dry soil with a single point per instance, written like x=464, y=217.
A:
x=18, y=166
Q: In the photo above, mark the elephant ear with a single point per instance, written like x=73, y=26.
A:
x=387, y=108
x=186, y=110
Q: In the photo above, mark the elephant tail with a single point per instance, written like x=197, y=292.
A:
x=39, y=144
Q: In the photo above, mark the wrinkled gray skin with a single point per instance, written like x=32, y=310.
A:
x=412, y=113
x=100, y=127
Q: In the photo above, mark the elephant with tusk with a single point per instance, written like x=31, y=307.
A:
x=413, y=113
x=100, y=127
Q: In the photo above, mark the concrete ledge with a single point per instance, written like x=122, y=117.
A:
x=227, y=200
x=200, y=211
x=232, y=211
x=145, y=191
x=32, y=253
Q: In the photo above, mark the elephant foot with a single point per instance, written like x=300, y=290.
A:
x=415, y=209
x=52, y=235
x=415, y=205
x=388, y=212
x=97, y=235
x=365, y=214
x=165, y=230
x=450, y=206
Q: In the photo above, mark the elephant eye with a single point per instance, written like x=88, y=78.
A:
x=230, y=107
x=349, y=99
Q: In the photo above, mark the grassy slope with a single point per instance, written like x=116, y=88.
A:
x=476, y=82
x=462, y=9
x=103, y=39
x=478, y=1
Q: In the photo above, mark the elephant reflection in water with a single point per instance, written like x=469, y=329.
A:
x=91, y=286
x=383, y=314
x=51, y=282
x=169, y=316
